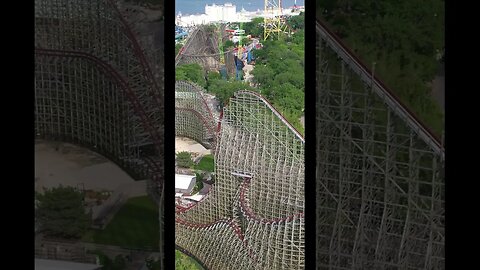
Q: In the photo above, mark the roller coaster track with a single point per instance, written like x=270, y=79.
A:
x=186, y=47
x=93, y=53
x=115, y=76
x=192, y=109
x=380, y=182
x=94, y=87
x=379, y=87
x=248, y=120
x=201, y=47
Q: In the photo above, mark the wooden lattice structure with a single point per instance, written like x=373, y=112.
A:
x=94, y=86
x=202, y=48
x=193, y=118
x=380, y=172
x=253, y=216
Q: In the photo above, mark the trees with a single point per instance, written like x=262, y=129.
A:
x=254, y=27
x=228, y=44
x=402, y=37
x=297, y=22
x=118, y=263
x=263, y=75
x=198, y=182
x=223, y=89
x=184, y=160
x=60, y=212
x=177, y=48
x=211, y=77
x=191, y=72
x=279, y=73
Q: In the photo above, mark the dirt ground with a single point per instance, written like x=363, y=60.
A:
x=189, y=145
x=70, y=165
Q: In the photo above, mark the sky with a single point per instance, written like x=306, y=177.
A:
x=198, y=6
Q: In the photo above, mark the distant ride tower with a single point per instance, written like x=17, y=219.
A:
x=273, y=23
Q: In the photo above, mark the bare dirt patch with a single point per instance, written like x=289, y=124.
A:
x=185, y=144
x=70, y=165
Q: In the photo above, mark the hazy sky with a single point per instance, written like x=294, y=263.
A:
x=198, y=6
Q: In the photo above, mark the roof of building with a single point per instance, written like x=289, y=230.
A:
x=42, y=264
x=183, y=181
x=196, y=197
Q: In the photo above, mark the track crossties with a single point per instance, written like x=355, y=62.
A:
x=193, y=118
x=202, y=48
x=94, y=86
x=380, y=171
x=253, y=216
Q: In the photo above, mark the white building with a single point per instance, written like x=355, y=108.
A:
x=213, y=11
x=195, y=198
x=184, y=183
x=225, y=13
x=192, y=20
x=228, y=13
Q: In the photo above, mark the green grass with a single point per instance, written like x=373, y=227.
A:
x=183, y=262
x=206, y=164
x=134, y=226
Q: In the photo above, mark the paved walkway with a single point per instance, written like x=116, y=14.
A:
x=247, y=70
x=438, y=87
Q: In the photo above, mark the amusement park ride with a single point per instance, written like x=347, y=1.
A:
x=274, y=24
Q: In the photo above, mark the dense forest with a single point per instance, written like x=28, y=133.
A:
x=278, y=72
x=404, y=38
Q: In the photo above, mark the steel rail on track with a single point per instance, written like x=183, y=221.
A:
x=277, y=113
x=186, y=46
x=248, y=211
x=111, y=72
x=206, y=55
x=197, y=89
x=210, y=129
x=139, y=54
x=380, y=88
x=229, y=222
x=182, y=209
x=246, y=182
